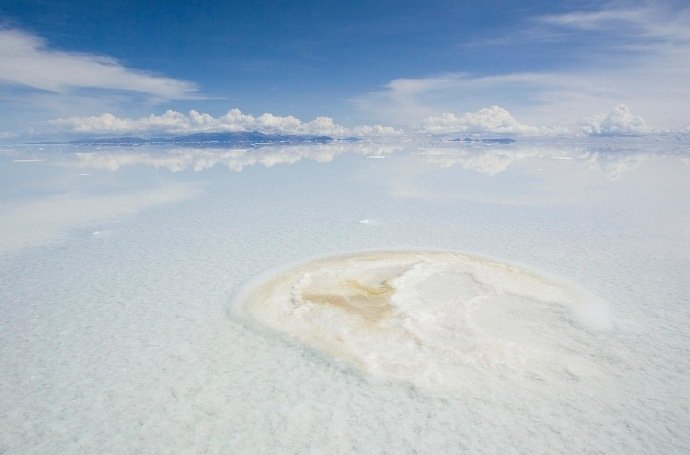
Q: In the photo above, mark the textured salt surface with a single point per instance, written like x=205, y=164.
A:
x=437, y=320
x=125, y=341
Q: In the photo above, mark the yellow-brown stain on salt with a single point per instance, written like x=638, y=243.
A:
x=371, y=303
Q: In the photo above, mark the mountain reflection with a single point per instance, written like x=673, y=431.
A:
x=198, y=159
x=486, y=159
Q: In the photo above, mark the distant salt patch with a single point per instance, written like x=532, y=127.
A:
x=434, y=319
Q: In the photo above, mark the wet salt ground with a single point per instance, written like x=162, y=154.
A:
x=117, y=334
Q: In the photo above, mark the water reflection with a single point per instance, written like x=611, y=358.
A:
x=198, y=159
x=610, y=158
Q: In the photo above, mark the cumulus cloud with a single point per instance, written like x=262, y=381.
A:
x=374, y=130
x=619, y=122
x=492, y=119
x=27, y=60
x=636, y=56
x=173, y=122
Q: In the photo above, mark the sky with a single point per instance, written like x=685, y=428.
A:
x=341, y=68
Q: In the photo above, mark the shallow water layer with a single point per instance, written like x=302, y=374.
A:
x=120, y=269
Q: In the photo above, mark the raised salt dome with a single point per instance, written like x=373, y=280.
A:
x=434, y=319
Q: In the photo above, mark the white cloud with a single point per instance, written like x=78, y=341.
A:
x=374, y=130
x=593, y=20
x=27, y=60
x=172, y=122
x=664, y=24
x=638, y=57
x=492, y=119
x=619, y=122
x=487, y=120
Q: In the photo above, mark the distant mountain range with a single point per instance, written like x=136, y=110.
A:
x=500, y=140
x=251, y=138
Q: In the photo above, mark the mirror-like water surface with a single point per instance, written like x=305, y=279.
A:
x=120, y=268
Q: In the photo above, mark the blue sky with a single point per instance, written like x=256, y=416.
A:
x=544, y=64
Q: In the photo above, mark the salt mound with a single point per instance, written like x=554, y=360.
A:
x=433, y=319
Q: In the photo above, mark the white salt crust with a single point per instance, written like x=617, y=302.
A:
x=433, y=319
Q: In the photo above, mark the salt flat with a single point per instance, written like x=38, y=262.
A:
x=120, y=271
